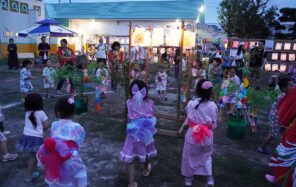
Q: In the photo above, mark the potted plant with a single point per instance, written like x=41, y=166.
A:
x=78, y=77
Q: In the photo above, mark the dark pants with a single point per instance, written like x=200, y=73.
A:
x=61, y=83
x=114, y=81
x=1, y=127
x=12, y=61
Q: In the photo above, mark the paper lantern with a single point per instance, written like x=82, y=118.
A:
x=275, y=67
x=283, y=68
x=173, y=37
x=283, y=57
x=274, y=56
x=291, y=57
x=278, y=46
x=294, y=47
x=267, y=67
x=147, y=39
x=189, y=39
x=157, y=37
x=138, y=36
x=287, y=46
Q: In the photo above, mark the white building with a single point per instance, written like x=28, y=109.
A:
x=15, y=16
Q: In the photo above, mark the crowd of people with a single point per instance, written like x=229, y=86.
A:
x=59, y=154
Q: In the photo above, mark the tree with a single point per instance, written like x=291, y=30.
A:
x=246, y=18
x=287, y=21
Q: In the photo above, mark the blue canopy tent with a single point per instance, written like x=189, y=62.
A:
x=48, y=27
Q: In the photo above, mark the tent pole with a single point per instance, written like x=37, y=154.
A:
x=130, y=46
x=180, y=78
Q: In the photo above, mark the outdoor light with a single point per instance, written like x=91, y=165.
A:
x=283, y=68
x=201, y=8
x=267, y=67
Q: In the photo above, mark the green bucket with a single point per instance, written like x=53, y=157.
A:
x=235, y=128
x=81, y=105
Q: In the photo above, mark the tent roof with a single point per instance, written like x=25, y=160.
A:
x=141, y=10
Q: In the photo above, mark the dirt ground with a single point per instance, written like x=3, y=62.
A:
x=236, y=163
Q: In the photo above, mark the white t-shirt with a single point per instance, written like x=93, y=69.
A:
x=37, y=131
x=101, y=51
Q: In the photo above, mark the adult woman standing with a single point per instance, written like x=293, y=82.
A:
x=283, y=160
x=66, y=56
x=115, y=57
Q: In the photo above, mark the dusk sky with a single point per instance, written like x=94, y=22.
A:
x=211, y=6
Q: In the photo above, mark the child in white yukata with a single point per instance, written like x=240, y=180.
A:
x=232, y=97
x=25, y=79
x=161, y=83
x=48, y=77
x=102, y=74
x=202, y=115
x=59, y=155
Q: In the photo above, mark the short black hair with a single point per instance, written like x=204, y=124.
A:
x=115, y=44
x=64, y=108
x=284, y=82
x=64, y=41
x=26, y=62
x=43, y=37
x=11, y=39
x=141, y=84
x=33, y=102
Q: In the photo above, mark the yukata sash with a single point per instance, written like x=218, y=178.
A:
x=201, y=133
x=53, y=155
x=142, y=129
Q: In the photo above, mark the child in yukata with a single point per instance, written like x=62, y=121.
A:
x=48, y=77
x=161, y=83
x=202, y=115
x=25, y=79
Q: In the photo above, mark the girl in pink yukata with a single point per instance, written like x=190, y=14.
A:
x=202, y=117
x=59, y=155
x=139, y=142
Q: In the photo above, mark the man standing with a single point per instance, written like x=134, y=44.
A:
x=12, y=55
x=101, y=52
x=43, y=49
x=256, y=60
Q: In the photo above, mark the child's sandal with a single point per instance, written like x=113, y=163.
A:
x=147, y=171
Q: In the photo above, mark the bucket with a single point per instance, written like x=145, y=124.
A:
x=235, y=128
x=81, y=105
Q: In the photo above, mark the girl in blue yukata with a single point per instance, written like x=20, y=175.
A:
x=59, y=155
x=139, y=142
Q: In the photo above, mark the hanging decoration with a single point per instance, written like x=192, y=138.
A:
x=157, y=37
x=189, y=39
x=138, y=36
x=173, y=37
